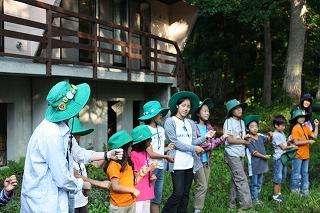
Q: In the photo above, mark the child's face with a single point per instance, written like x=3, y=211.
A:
x=237, y=112
x=306, y=103
x=301, y=119
x=184, y=108
x=158, y=118
x=204, y=113
x=280, y=127
x=253, y=128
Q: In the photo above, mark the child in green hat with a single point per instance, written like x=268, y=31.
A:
x=234, y=154
x=201, y=118
x=48, y=170
x=81, y=200
x=257, y=157
x=280, y=146
x=301, y=135
x=181, y=130
x=152, y=116
x=141, y=159
x=120, y=172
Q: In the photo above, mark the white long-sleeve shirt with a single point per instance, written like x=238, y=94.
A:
x=48, y=182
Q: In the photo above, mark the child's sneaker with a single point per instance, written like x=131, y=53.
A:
x=277, y=198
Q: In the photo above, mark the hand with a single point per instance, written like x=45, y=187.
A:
x=270, y=134
x=153, y=166
x=153, y=178
x=86, y=185
x=136, y=192
x=170, y=159
x=106, y=184
x=115, y=154
x=10, y=183
x=170, y=147
x=293, y=146
x=227, y=134
x=143, y=170
x=316, y=122
x=210, y=134
x=267, y=157
x=245, y=142
x=289, y=138
x=199, y=149
x=311, y=142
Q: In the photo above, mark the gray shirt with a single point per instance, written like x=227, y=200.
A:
x=277, y=139
x=170, y=132
x=238, y=131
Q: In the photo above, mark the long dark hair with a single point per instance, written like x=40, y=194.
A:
x=123, y=162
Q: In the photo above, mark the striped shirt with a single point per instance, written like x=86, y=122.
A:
x=4, y=198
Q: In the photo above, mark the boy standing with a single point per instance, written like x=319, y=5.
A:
x=279, y=144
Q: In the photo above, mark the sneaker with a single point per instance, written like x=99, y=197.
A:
x=277, y=198
x=304, y=193
x=197, y=211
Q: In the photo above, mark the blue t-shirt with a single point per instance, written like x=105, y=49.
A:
x=258, y=165
x=203, y=131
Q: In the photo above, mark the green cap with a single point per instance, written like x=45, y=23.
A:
x=249, y=118
x=66, y=100
x=152, y=109
x=119, y=139
x=288, y=155
x=141, y=133
x=207, y=101
x=299, y=113
x=234, y=103
x=184, y=94
x=76, y=127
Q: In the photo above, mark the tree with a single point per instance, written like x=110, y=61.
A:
x=293, y=72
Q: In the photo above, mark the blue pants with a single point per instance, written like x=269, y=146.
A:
x=255, y=186
x=300, y=175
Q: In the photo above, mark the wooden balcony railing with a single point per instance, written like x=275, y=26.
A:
x=95, y=45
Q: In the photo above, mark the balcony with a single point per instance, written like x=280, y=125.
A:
x=140, y=61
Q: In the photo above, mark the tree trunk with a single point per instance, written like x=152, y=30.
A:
x=292, y=78
x=266, y=98
x=318, y=91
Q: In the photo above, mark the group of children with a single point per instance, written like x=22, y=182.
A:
x=135, y=163
x=191, y=145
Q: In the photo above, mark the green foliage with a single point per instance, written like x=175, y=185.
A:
x=14, y=168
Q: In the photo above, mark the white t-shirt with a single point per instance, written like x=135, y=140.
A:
x=277, y=139
x=158, y=143
x=238, y=131
x=80, y=199
x=183, y=160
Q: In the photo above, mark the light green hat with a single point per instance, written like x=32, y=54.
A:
x=234, y=103
x=249, y=118
x=119, y=139
x=152, y=109
x=184, y=94
x=288, y=155
x=141, y=133
x=299, y=113
x=76, y=127
x=65, y=100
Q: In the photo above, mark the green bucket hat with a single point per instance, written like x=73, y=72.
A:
x=234, y=103
x=119, y=139
x=249, y=118
x=299, y=113
x=288, y=155
x=141, y=133
x=76, y=127
x=184, y=94
x=65, y=100
x=152, y=109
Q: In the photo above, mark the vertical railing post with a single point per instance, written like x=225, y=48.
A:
x=128, y=61
x=49, y=43
x=155, y=74
x=95, y=52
